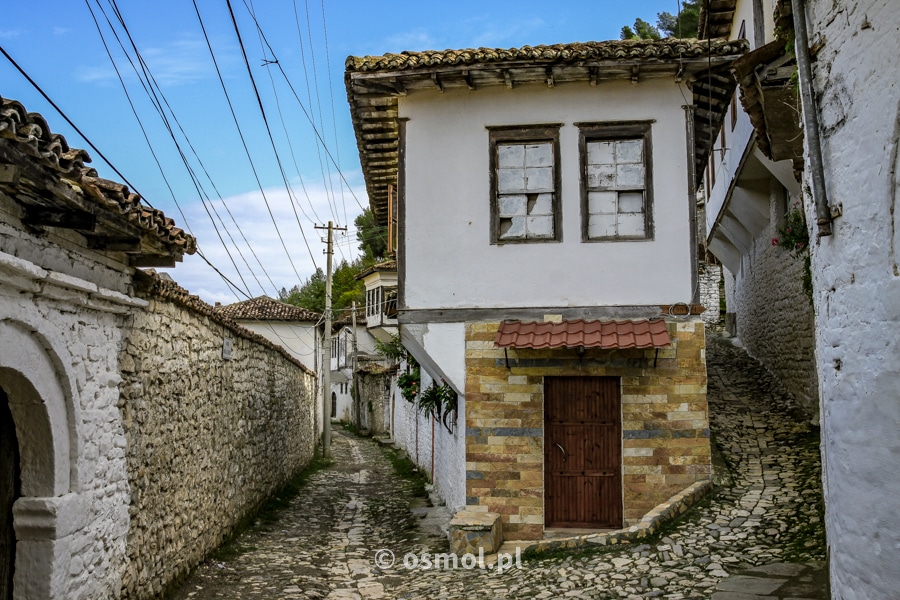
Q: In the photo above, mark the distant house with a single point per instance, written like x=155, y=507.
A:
x=291, y=327
x=547, y=265
x=350, y=349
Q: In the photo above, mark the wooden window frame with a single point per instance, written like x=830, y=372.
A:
x=524, y=134
x=616, y=130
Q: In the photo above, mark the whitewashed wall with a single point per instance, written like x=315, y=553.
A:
x=413, y=433
x=447, y=202
x=857, y=292
x=299, y=339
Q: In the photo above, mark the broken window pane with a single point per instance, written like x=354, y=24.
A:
x=631, y=202
x=512, y=228
x=541, y=205
x=513, y=205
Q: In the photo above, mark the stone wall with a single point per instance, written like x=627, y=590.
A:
x=710, y=277
x=665, y=427
x=374, y=386
x=207, y=438
x=856, y=278
x=773, y=314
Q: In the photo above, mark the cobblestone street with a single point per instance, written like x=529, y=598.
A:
x=324, y=544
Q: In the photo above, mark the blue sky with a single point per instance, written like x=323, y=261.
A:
x=58, y=44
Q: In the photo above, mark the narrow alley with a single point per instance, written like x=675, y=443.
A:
x=767, y=511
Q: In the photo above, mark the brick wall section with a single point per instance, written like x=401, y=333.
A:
x=665, y=427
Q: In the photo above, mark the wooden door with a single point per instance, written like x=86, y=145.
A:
x=582, y=452
x=9, y=492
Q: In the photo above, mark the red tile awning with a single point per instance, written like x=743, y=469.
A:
x=585, y=334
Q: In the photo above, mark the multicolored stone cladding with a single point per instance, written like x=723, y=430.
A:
x=665, y=426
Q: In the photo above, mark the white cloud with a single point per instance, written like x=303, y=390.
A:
x=61, y=30
x=415, y=40
x=270, y=267
x=9, y=34
x=180, y=62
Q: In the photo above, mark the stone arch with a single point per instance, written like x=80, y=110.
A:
x=39, y=400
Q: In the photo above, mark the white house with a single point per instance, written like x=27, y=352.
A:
x=291, y=327
x=752, y=181
x=547, y=239
x=345, y=342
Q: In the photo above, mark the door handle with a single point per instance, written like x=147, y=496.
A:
x=563, y=451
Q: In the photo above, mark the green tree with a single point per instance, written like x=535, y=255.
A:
x=372, y=237
x=345, y=288
x=685, y=24
x=642, y=31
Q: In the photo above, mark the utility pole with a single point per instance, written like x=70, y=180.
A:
x=356, y=399
x=326, y=343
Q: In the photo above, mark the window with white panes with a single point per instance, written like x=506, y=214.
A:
x=616, y=182
x=525, y=184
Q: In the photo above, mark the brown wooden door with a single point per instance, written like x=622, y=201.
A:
x=9, y=492
x=582, y=452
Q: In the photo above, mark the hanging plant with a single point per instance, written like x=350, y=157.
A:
x=793, y=236
x=409, y=383
x=451, y=405
x=431, y=401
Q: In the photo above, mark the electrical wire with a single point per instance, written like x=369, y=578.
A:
x=268, y=130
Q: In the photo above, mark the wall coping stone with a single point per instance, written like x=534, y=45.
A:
x=152, y=284
x=26, y=276
x=649, y=524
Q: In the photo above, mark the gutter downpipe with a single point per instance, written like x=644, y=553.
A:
x=810, y=118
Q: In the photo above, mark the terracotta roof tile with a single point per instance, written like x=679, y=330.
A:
x=668, y=48
x=31, y=134
x=587, y=334
x=264, y=308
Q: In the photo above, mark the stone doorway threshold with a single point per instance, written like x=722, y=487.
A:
x=555, y=533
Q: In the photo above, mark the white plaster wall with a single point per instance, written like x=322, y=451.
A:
x=298, y=339
x=447, y=200
x=59, y=335
x=448, y=474
x=857, y=289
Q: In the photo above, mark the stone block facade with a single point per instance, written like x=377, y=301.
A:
x=665, y=426
x=207, y=439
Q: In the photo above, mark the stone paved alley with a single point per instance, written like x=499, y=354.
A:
x=324, y=544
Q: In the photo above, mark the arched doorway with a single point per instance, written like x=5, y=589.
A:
x=10, y=490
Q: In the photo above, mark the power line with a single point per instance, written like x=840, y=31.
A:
x=154, y=92
x=262, y=110
x=307, y=115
